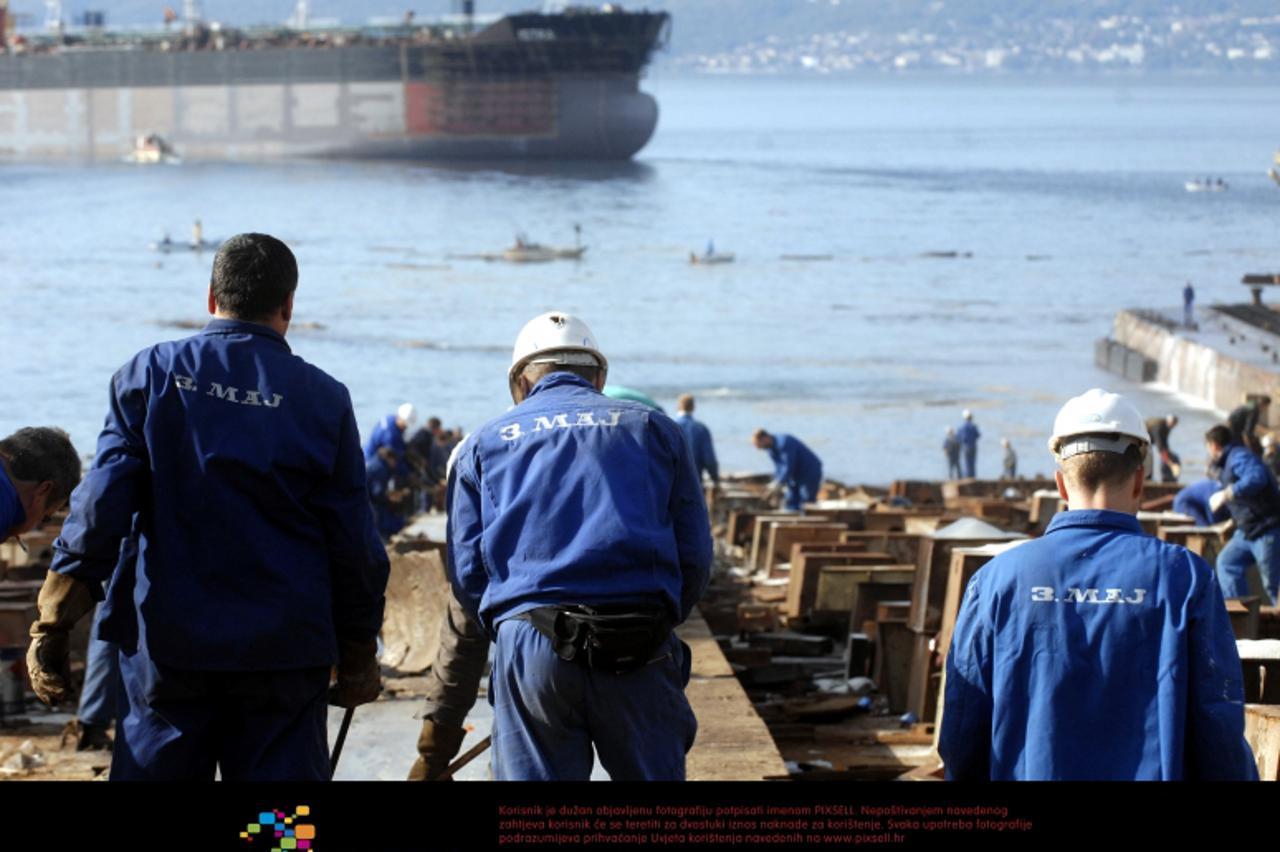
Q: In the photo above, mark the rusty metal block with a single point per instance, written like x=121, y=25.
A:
x=753, y=618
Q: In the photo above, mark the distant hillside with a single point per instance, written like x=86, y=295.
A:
x=827, y=36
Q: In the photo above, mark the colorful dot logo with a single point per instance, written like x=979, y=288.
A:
x=286, y=832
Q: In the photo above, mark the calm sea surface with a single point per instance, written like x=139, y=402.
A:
x=1070, y=199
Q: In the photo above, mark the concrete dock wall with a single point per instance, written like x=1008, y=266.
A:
x=1192, y=367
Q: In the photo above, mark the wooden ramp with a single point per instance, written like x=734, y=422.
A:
x=733, y=743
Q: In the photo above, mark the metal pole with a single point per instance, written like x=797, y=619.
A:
x=472, y=753
x=342, y=738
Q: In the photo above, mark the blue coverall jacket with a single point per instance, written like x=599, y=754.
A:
x=11, y=511
x=698, y=437
x=1255, y=500
x=257, y=549
x=575, y=498
x=388, y=434
x=1094, y=652
x=797, y=467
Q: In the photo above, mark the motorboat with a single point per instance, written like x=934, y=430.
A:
x=1206, y=185
x=151, y=149
x=710, y=258
x=523, y=252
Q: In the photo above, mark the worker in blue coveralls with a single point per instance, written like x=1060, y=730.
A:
x=1250, y=494
x=1193, y=501
x=387, y=500
x=390, y=432
x=698, y=437
x=795, y=468
x=951, y=449
x=258, y=566
x=578, y=538
x=1096, y=651
x=967, y=434
x=38, y=469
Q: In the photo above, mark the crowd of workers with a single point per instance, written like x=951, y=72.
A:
x=231, y=528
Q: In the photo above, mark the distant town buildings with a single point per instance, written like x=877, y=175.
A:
x=1208, y=44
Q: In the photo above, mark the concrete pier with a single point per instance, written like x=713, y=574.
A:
x=1234, y=351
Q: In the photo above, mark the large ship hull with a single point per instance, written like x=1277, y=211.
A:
x=482, y=101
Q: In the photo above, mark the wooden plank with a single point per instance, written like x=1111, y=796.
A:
x=760, y=534
x=922, y=690
x=964, y=564
x=1262, y=730
x=802, y=585
x=837, y=590
x=733, y=743
x=783, y=536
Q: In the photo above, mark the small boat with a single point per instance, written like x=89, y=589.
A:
x=523, y=252
x=1206, y=185
x=709, y=258
x=526, y=252
x=166, y=245
x=151, y=149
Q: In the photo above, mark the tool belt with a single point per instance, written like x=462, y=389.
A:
x=615, y=640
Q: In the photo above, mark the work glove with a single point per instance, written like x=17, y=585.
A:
x=1220, y=499
x=359, y=678
x=437, y=745
x=63, y=601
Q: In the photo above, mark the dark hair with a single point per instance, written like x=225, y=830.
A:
x=1093, y=470
x=43, y=454
x=1220, y=435
x=253, y=275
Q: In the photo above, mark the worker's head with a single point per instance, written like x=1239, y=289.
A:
x=951, y=432
x=1100, y=442
x=254, y=278
x=1264, y=402
x=967, y=414
x=1217, y=439
x=685, y=403
x=434, y=426
x=762, y=439
x=554, y=342
x=406, y=416
x=43, y=466
x=1004, y=442
x=1171, y=420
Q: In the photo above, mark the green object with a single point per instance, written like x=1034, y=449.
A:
x=620, y=392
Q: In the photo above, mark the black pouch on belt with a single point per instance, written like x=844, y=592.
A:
x=614, y=640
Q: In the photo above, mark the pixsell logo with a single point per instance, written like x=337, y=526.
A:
x=282, y=832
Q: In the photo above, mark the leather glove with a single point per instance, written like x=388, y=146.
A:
x=63, y=601
x=1219, y=499
x=437, y=745
x=359, y=679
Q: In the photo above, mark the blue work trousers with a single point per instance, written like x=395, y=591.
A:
x=101, y=681
x=253, y=726
x=970, y=460
x=799, y=493
x=1240, y=553
x=547, y=713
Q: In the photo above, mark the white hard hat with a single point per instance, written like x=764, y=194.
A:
x=1093, y=416
x=554, y=338
x=407, y=413
x=967, y=414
